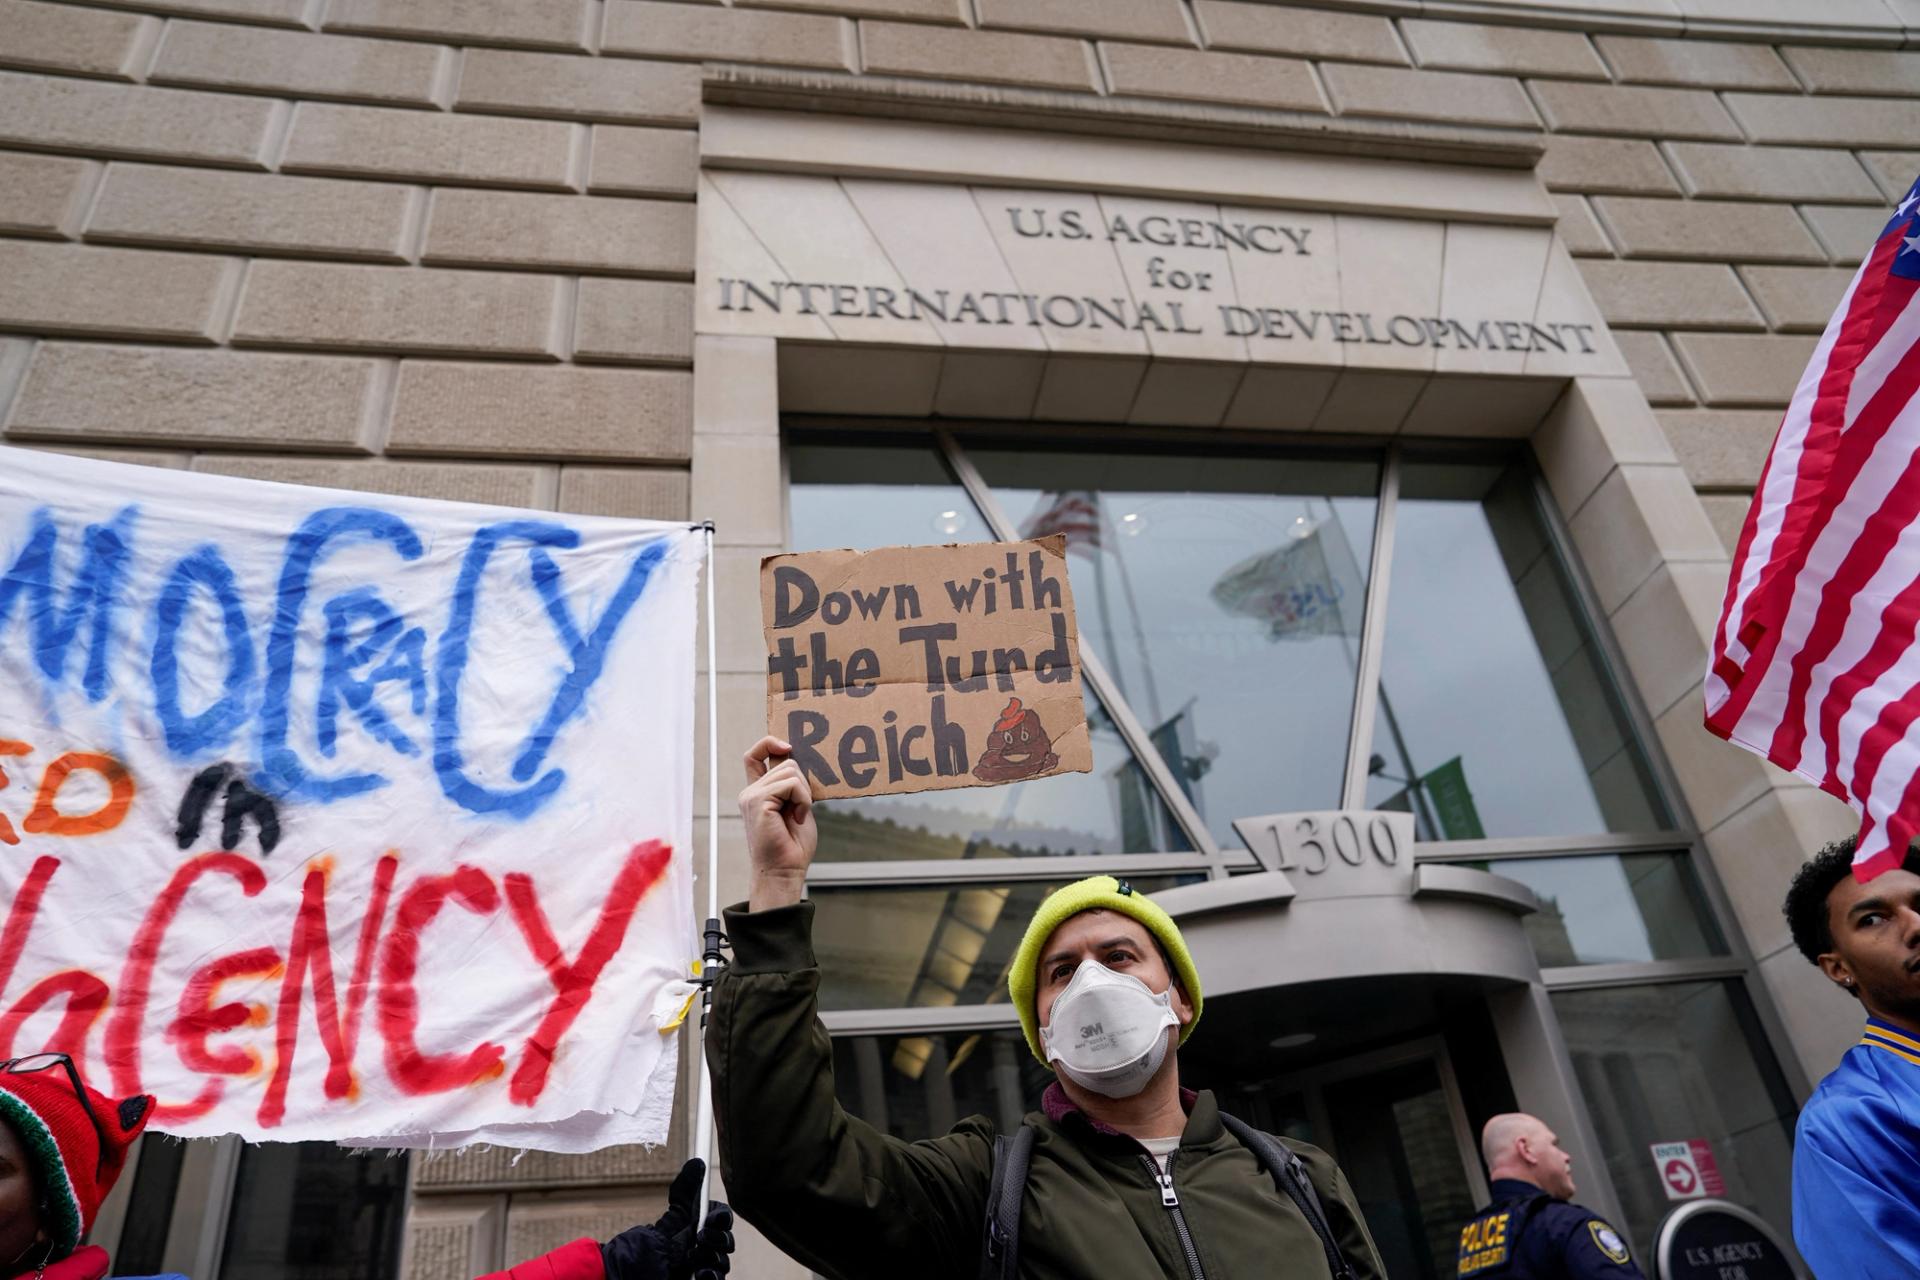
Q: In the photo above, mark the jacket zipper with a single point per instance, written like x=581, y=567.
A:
x=1171, y=1203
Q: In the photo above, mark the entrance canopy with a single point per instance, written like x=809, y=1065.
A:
x=1345, y=921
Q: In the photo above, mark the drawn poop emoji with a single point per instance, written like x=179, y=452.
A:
x=1018, y=747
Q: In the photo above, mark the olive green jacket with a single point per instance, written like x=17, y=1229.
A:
x=852, y=1202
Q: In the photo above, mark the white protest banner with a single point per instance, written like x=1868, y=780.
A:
x=333, y=815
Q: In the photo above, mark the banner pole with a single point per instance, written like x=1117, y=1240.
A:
x=714, y=940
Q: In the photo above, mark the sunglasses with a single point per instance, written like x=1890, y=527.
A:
x=47, y=1062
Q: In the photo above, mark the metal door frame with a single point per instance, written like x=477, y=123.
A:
x=1311, y=1083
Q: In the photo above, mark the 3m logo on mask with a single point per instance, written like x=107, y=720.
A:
x=1115, y=1063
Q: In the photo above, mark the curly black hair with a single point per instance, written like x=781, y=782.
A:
x=1806, y=904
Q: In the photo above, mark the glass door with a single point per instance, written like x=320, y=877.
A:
x=221, y=1208
x=1395, y=1122
x=1395, y=1140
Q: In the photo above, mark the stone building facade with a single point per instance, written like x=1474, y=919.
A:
x=495, y=250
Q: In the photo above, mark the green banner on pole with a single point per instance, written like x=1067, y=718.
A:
x=1453, y=802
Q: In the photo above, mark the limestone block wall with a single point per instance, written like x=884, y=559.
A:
x=445, y=247
x=244, y=237
x=479, y=1209
x=184, y=183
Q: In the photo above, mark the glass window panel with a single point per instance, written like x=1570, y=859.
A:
x=156, y=1180
x=311, y=1211
x=926, y=948
x=1224, y=594
x=1496, y=717
x=890, y=495
x=1615, y=909
x=917, y=1087
x=1395, y=1142
x=1681, y=1062
x=876, y=496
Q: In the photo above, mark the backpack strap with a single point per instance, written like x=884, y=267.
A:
x=1290, y=1175
x=1000, y=1242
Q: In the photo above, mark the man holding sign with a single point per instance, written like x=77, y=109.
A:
x=1121, y=1173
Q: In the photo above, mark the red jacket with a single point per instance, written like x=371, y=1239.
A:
x=89, y=1262
x=577, y=1261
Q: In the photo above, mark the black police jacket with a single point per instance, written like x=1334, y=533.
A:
x=1525, y=1234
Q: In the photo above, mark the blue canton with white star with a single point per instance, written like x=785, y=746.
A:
x=1906, y=224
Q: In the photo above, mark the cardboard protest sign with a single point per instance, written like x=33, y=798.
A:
x=922, y=668
x=331, y=815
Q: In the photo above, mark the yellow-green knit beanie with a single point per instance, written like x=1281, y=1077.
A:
x=1106, y=893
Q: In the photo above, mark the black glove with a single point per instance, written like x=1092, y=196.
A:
x=672, y=1248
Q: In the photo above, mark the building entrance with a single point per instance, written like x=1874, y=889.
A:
x=1397, y=1129
x=1542, y=903
x=1395, y=1123
x=1290, y=1061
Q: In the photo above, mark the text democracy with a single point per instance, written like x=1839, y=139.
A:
x=1184, y=316
x=66, y=580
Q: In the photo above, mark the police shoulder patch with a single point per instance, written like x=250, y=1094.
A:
x=1608, y=1241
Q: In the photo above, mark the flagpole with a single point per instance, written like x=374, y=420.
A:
x=1106, y=610
x=1416, y=794
x=1139, y=630
x=1109, y=544
x=712, y=956
x=1416, y=789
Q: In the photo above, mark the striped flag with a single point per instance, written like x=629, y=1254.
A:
x=1815, y=664
x=1073, y=512
x=1295, y=589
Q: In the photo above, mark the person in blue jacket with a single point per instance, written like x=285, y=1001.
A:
x=1532, y=1230
x=1856, y=1155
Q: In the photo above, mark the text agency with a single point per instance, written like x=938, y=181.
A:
x=393, y=964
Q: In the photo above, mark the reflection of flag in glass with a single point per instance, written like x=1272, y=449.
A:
x=1297, y=589
x=1145, y=820
x=1073, y=512
x=1452, y=800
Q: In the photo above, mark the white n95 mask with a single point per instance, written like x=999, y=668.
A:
x=1108, y=1031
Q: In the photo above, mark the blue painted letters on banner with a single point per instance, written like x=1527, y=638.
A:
x=69, y=587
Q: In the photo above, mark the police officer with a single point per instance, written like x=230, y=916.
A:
x=1530, y=1231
